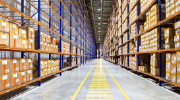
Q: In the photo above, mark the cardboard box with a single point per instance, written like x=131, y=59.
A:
x=155, y=71
x=168, y=66
x=4, y=25
x=168, y=56
x=48, y=38
x=30, y=44
x=29, y=75
x=48, y=63
x=173, y=69
x=49, y=70
x=173, y=78
x=4, y=69
x=14, y=40
x=41, y=36
x=4, y=39
x=168, y=76
x=52, y=69
x=42, y=64
x=45, y=37
x=45, y=63
x=169, y=32
x=48, y=47
x=143, y=69
x=22, y=65
x=178, y=55
x=15, y=79
x=5, y=82
x=22, y=33
x=13, y=65
x=23, y=43
x=22, y=77
x=13, y=28
x=178, y=67
x=66, y=64
x=28, y=63
x=30, y=32
x=53, y=40
x=173, y=58
x=45, y=71
x=169, y=46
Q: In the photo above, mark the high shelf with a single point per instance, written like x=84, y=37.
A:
x=65, y=20
x=147, y=36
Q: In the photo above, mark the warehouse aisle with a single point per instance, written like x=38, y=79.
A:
x=99, y=80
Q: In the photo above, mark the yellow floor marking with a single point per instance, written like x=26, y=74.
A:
x=99, y=82
x=100, y=95
x=125, y=95
x=77, y=91
x=99, y=91
x=99, y=86
x=98, y=76
x=99, y=99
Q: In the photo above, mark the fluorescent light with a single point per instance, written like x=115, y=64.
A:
x=99, y=31
x=99, y=9
x=99, y=28
x=99, y=17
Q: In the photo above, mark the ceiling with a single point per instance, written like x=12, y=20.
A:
x=99, y=11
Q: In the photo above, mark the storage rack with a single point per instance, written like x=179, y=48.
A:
x=67, y=20
x=107, y=51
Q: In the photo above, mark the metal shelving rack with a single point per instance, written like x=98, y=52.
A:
x=159, y=24
x=66, y=20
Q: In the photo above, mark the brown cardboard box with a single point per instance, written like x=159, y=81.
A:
x=4, y=67
x=45, y=63
x=28, y=63
x=168, y=76
x=49, y=70
x=57, y=68
x=177, y=45
x=30, y=32
x=178, y=55
x=42, y=64
x=155, y=71
x=45, y=46
x=53, y=40
x=173, y=69
x=52, y=69
x=173, y=58
x=169, y=32
x=173, y=78
x=13, y=65
x=168, y=66
x=30, y=44
x=41, y=36
x=22, y=77
x=4, y=39
x=66, y=64
x=14, y=40
x=52, y=63
x=13, y=28
x=143, y=69
x=49, y=63
x=4, y=82
x=29, y=75
x=48, y=47
x=178, y=67
x=4, y=25
x=45, y=37
x=45, y=71
x=15, y=79
x=41, y=46
x=22, y=33
x=178, y=79
x=169, y=46
x=168, y=56
x=22, y=65
x=23, y=43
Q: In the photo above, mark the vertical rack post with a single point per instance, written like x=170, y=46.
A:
x=22, y=21
x=128, y=33
x=60, y=40
x=83, y=33
x=121, y=37
x=77, y=37
x=160, y=60
x=71, y=33
x=138, y=36
x=39, y=40
x=49, y=23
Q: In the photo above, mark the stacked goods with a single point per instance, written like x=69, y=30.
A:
x=170, y=38
x=67, y=64
x=133, y=62
x=81, y=52
x=119, y=41
x=133, y=47
x=65, y=47
x=154, y=63
x=78, y=60
x=133, y=15
x=132, y=3
x=177, y=34
x=150, y=41
x=23, y=38
x=125, y=37
x=125, y=60
x=133, y=30
x=124, y=15
x=119, y=23
x=14, y=35
x=173, y=67
x=47, y=67
x=124, y=3
x=47, y=42
x=119, y=51
x=73, y=50
x=124, y=25
x=172, y=7
x=78, y=51
x=30, y=37
x=14, y=72
x=143, y=69
x=125, y=49
x=144, y=4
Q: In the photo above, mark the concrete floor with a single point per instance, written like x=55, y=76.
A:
x=64, y=87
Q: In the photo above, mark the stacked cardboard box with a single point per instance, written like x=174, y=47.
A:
x=132, y=3
x=47, y=67
x=169, y=38
x=125, y=37
x=14, y=72
x=124, y=3
x=172, y=7
x=133, y=46
x=124, y=15
x=67, y=64
x=14, y=35
x=78, y=51
x=124, y=25
x=133, y=30
x=73, y=50
x=177, y=34
x=4, y=37
x=125, y=60
x=133, y=15
x=65, y=47
x=125, y=49
x=133, y=62
x=144, y=4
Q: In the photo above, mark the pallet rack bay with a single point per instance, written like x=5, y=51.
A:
x=138, y=37
x=65, y=20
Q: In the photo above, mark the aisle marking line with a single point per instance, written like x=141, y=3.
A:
x=125, y=95
x=77, y=91
x=99, y=82
x=99, y=86
x=99, y=91
x=99, y=99
x=100, y=95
